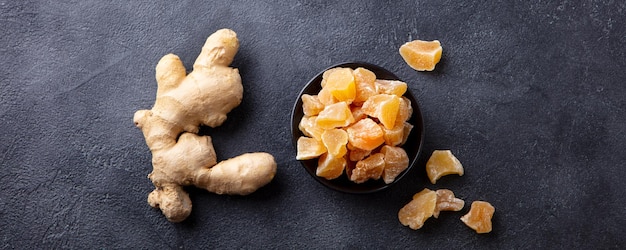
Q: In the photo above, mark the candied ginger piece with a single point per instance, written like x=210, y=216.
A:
x=325, y=76
x=311, y=105
x=340, y=84
x=479, y=217
x=421, y=55
x=405, y=110
x=396, y=161
x=365, y=134
x=364, y=82
x=335, y=141
x=325, y=97
x=369, y=168
x=330, y=167
x=394, y=136
x=309, y=127
x=357, y=154
x=418, y=210
x=309, y=148
x=335, y=115
x=390, y=87
x=407, y=130
x=447, y=202
x=442, y=162
x=384, y=107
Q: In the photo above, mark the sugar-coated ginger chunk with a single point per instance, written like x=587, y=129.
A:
x=421, y=55
x=479, y=217
x=326, y=74
x=418, y=210
x=447, y=202
x=365, y=134
x=390, y=87
x=365, y=84
x=396, y=161
x=325, y=97
x=407, y=130
x=394, y=136
x=335, y=141
x=384, y=107
x=309, y=127
x=340, y=83
x=334, y=116
x=311, y=105
x=369, y=168
x=330, y=167
x=357, y=154
x=405, y=110
x=442, y=162
x=309, y=148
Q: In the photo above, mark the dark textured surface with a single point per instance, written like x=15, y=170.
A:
x=530, y=96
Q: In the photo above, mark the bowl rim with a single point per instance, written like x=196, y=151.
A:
x=370, y=186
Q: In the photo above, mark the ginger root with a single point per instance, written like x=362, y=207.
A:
x=181, y=157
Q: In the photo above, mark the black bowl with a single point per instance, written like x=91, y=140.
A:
x=343, y=184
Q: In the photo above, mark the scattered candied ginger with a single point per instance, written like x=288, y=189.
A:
x=426, y=204
x=442, y=162
x=479, y=217
x=421, y=55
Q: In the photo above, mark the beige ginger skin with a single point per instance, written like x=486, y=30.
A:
x=181, y=157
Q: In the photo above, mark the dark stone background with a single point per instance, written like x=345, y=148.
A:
x=529, y=95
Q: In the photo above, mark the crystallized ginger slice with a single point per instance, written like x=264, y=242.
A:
x=479, y=217
x=384, y=107
x=369, y=168
x=340, y=83
x=330, y=167
x=442, y=162
x=421, y=55
x=396, y=161
x=416, y=212
x=357, y=154
x=407, y=131
x=394, y=136
x=365, y=134
x=311, y=105
x=390, y=87
x=447, y=202
x=334, y=116
x=364, y=82
x=335, y=141
x=309, y=127
x=325, y=97
x=309, y=148
x=405, y=110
